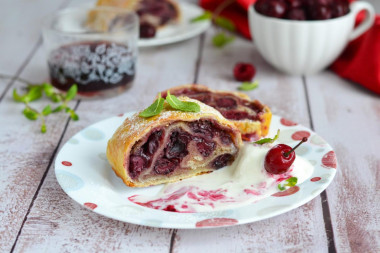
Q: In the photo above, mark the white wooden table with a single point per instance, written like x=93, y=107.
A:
x=37, y=216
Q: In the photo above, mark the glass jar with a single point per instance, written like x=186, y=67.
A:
x=94, y=48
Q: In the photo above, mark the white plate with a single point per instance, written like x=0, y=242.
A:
x=83, y=172
x=182, y=31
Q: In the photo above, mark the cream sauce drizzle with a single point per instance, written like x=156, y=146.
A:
x=244, y=182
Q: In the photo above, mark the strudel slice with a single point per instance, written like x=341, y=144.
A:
x=172, y=145
x=250, y=116
x=153, y=14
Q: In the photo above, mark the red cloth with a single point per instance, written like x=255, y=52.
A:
x=360, y=62
x=236, y=12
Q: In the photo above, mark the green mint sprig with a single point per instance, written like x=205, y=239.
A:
x=268, y=140
x=225, y=23
x=35, y=92
x=221, y=39
x=290, y=183
x=207, y=15
x=184, y=106
x=173, y=101
x=153, y=109
x=247, y=86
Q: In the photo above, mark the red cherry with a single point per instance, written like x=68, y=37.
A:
x=320, y=12
x=294, y=3
x=244, y=71
x=340, y=8
x=296, y=14
x=275, y=160
x=271, y=8
x=279, y=158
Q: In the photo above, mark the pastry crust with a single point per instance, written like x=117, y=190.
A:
x=135, y=128
x=247, y=127
x=99, y=20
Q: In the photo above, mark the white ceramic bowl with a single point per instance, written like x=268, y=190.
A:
x=306, y=47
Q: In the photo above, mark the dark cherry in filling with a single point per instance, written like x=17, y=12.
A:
x=204, y=134
x=136, y=165
x=222, y=161
x=227, y=103
x=177, y=147
x=203, y=127
x=205, y=147
x=147, y=30
x=164, y=166
x=163, y=10
x=151, y=146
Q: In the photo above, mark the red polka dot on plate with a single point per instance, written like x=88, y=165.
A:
x=329, y=160
x=120, y=115
x=92, y=206
x=66, y=163
x=297, y=136
x=287, y=122
x=315, y=179
x=216, y=222
x=287, y=192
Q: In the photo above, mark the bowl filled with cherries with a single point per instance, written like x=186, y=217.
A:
x=302, y=37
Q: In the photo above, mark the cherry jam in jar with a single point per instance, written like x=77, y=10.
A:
x=97, y=67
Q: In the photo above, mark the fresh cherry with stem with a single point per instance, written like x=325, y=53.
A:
x=279, y=158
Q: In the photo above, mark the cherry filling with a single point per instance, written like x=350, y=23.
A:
x=230, y=106
x=227, y=103
x=164, y=151
x=177, y=147
x=162, y=10
x=205, y=147
x=165, y=166
x=222, y=161
x=202, y=127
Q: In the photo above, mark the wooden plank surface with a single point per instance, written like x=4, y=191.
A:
x=348, y=117
x=23, y=157
x=57, y=220
x=20, y=27
x=37, y=216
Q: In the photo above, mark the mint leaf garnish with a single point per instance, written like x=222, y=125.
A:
x=35, y=92
x=221, y=39
x=247, y=86
x=290, y=182
x=184, y=106
x=30, y=113
x=205, y=16
x=225, y=23
x=268, y=140
x=153, y=109
x=47, y=110
x=43, y=128
x=48, y=89
x=71, y=93
x=17, y=97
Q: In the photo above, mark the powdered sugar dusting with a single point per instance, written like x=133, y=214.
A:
x=137, y=126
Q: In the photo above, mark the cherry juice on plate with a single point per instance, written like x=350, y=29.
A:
x=97, y=67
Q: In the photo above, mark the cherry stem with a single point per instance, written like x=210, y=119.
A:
x=304, y=139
